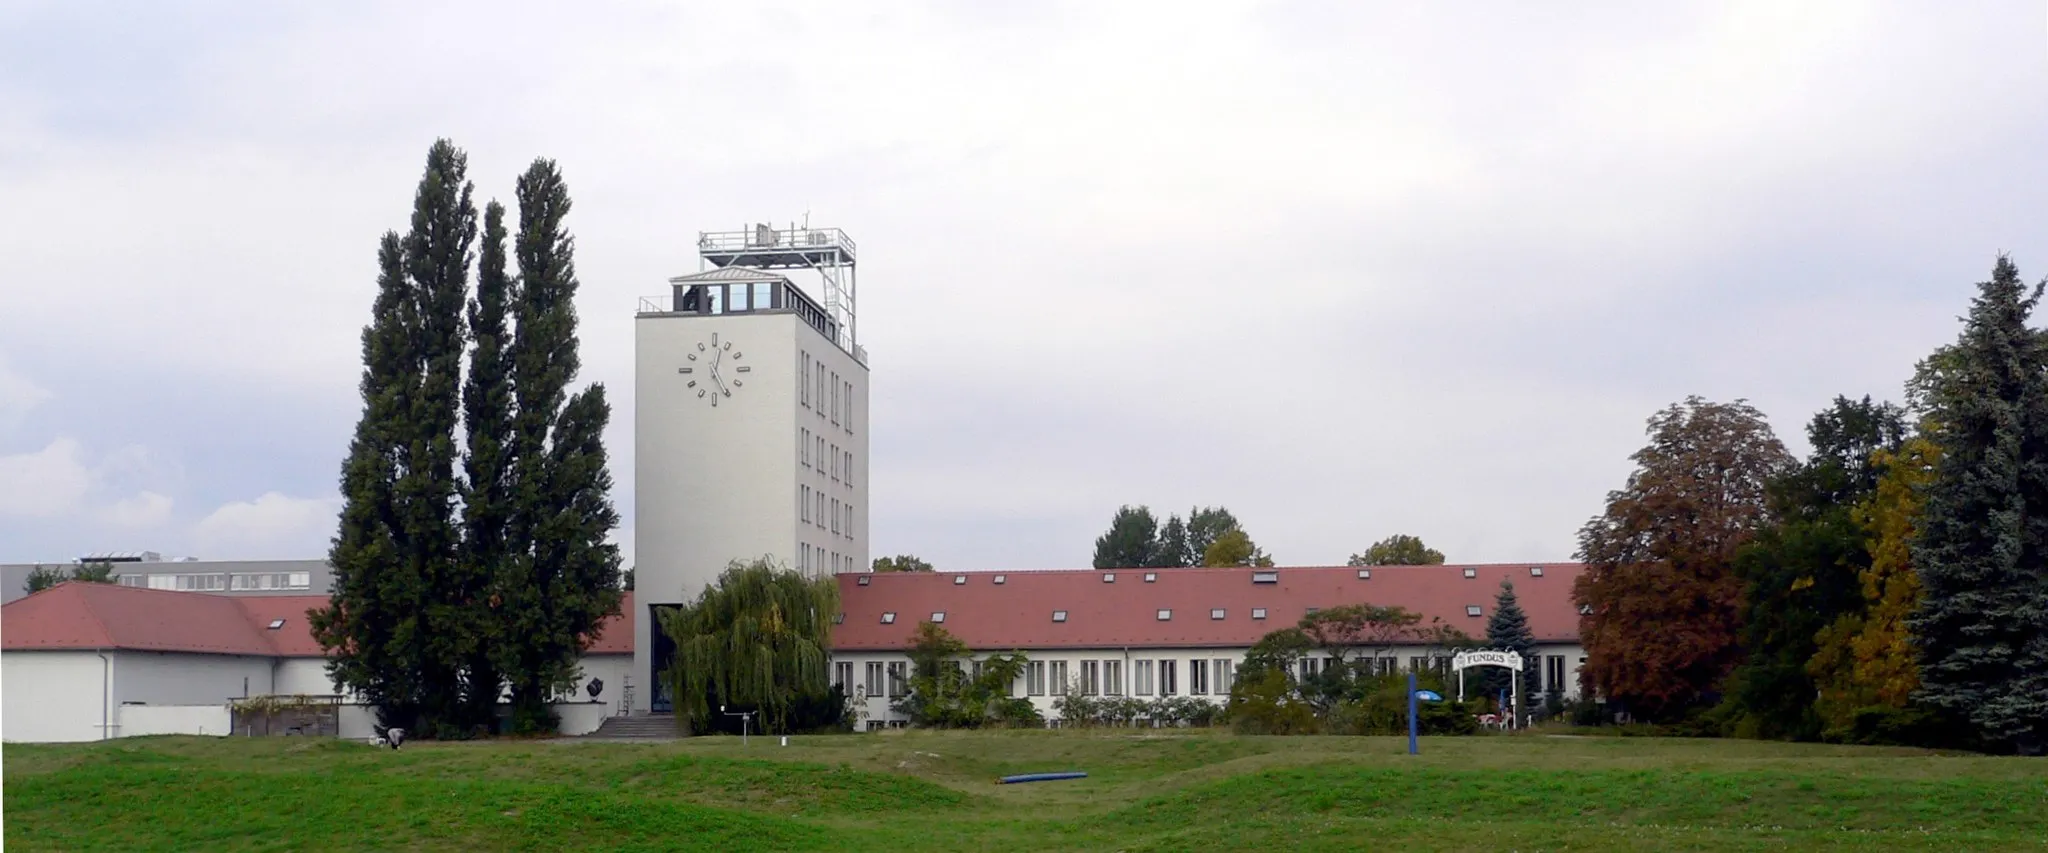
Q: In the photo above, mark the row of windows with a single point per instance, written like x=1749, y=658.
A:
x=240, y=581
x=831, y=513
x=828, y=387
x=1212, y=676
x=815, y=560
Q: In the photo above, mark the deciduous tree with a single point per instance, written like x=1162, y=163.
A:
x=1982, y=552
x=1665, y=604
x=901, y=563
x=1399, y=549
x=1235, y=548
x=758, y=638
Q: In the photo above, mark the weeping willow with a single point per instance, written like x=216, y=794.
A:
x=757, y=639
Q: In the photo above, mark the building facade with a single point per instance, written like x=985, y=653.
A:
x=750, y=427
x=151, y=570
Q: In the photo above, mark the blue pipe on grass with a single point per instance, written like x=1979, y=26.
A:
x=1040, y=777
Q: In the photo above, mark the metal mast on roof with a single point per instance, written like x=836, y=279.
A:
x=827, y=251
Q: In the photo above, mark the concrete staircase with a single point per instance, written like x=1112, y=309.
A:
x=638, y=727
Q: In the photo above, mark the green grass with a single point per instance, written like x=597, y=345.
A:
x=912, y=791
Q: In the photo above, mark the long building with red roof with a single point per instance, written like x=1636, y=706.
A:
x=85, y=661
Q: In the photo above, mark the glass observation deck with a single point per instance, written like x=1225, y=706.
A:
x=735, y=290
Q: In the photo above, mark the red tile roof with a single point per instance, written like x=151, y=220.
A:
x=107, y=616
x=1018, y=613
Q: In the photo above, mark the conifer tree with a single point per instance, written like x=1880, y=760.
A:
x=487, y=496
x=1128, y=543
x=1508, y=628
x=1170, y=551
x=1982, y=553
x=564, y=579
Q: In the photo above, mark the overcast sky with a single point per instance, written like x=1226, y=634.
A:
x=1347, y=268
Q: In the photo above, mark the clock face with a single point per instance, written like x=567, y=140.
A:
x=715, y=370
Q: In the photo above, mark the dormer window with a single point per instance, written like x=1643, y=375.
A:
x=863, y=580
x=1265, y=577
x=1059, y=616
x=1365, y=574
x=889, y=618
x=1311, y=611
x=1471, y=572
x=276, y=624
x=1151, y=577
x=938, y=617
x=1258, y=613
x=959, y=580
x=999, y=579
x=1109, y=577
x=1535, y=571
x=1165, y=615
x=839, y=619
x=1473, y=610
x=1216, y=613
x=1585, y=610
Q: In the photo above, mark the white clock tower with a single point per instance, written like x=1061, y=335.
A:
x=750, y=425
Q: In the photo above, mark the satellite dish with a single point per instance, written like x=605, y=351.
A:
x=596, y=687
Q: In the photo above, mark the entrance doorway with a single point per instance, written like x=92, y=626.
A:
x=659, y=701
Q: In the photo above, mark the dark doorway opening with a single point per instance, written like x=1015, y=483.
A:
x=660, y=701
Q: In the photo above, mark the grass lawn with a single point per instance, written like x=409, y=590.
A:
x=911, y=791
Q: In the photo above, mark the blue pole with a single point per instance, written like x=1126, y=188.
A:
x=1411, y=712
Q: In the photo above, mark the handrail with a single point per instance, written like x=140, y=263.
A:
x=771, y=238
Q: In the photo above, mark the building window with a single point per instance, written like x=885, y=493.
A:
x=1258, y=613
x=999, y=579
x=1034, y=678
x=1151, y=577
x=939, y=617
x=849, y=521
x=1265, y=577
x=820, y=520
x=1165, y=615
x=842, y=675
x=1535, y=571
x=1168, y=685
x=1091, y=678
x=1584, y=609
x=1473, y=610
x=805, y=385
x=1198, y=678
x=1216, y=613
x=803, y=441
x=1109, y=577
x=1226, y=675
x=1059, y=616
x=889, y=617
x=1471, y=572
x=847, y=467
x=863, y=578
x=1112, y=678
x=835, y=398
x=821, y=456
x=849, y=408
x=898, y=680
x=202, y=583
x=835, y=515
x=835, y=463
x=959, y=579
x=875, y=687
x=1365, y=574
x=804, y=499
x=1141, y=678
x=1059, y=676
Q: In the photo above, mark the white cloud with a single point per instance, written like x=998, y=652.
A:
x=47, y=483
x=17, y=395
x=273, y=526
x=145, y=509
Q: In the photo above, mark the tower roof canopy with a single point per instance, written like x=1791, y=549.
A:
x=727, y=274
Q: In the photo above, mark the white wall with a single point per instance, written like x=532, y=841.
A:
x=139, y=720
x=54, y=696
x=878, y=706
x=582, y=718
x=303, y=677
x=613, y=669
x=177, y=678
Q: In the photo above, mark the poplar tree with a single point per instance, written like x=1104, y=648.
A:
x=487, y=497
x=563, y=576
x=1982, y=552
x=367, y=626
x=1128, y=543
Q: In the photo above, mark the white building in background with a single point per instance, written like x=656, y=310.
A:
x=750, y=428
x=187, y=574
